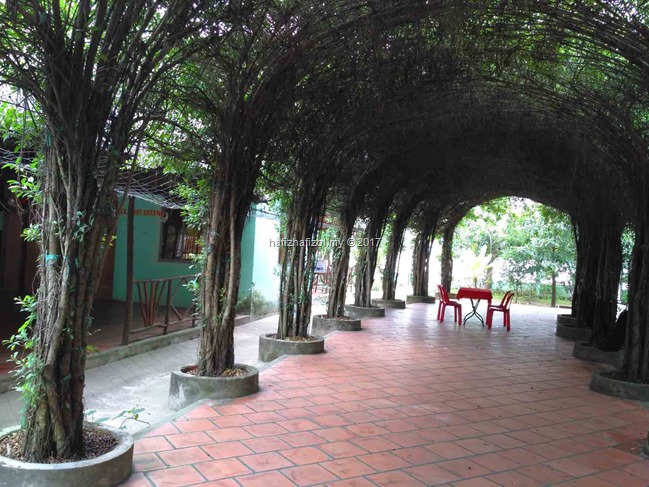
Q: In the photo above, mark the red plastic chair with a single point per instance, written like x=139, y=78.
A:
x=503, y=307
x=444, y=301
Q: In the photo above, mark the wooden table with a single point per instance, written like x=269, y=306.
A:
x=475, y=295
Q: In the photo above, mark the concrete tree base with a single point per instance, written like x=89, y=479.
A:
x=322, y=325
x=584, y=351
x=186, y=389
x=567, y=320
x=567, y=328
x=363, y=312
x=270, y=347
x=420, y=299
x=389, y=303
x=106, y=470
x=572, y=333
x=602, y=382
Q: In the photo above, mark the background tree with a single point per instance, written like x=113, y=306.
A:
x=538, y=246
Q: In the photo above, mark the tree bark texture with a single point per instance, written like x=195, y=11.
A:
x=75, y=227
x=587, y=260
x=447, y=256
x=340, y=265
x=635, y=366
x=424, y=239
x=599, y=264
x=399, y=225
x=609, y=267
x=298, y=261
x=368, y=254
x=230, y=201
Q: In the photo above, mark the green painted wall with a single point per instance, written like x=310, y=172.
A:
x=258, y=259
x=146, y=253
x=259, y=287
x=266, y=257
x=247, y=259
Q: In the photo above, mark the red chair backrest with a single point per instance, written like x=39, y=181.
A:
x=503, y=302
x=509, y=300
x=443, y=294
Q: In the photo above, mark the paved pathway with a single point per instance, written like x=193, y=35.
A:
x=411, y=402
x=142, y=381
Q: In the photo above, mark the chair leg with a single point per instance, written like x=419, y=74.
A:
x=442, y=313
x=439, y=310
x=508, y=319
x=459, y=312
x=490, y=317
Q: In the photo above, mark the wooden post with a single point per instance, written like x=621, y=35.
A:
x=168, y=308
x=128, y=318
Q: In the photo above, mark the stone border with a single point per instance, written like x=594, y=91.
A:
x=364, y=312
x=389, y=303
x=185, y=389
x=420, y=299
x=572, y=332
x=106, y=470
x=321, y=325
x=599, y=382
x=585, y=351
x=270, y=347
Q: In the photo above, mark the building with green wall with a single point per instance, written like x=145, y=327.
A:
x=153, y=259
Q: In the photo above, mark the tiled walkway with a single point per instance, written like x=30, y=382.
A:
x=411, y=402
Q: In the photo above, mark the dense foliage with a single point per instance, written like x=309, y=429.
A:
x=368, y=99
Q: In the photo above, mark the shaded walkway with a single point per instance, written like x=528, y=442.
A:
x=410, y=402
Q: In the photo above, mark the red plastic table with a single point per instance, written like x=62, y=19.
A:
x=475, y=295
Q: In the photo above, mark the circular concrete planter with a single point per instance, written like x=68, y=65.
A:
x=106, y=470
x=572, y=332
x=584, y=351
x=270, y=347
x=186, y=389
x=322, y=325
x=567, y=320
x=389, y=303
x=420, y=299
x=602, y=382
x=363, y=312
x=567, y=328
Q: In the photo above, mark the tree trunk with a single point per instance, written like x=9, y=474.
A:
x=369, y=251
x=635, y=365
x=298, y=262
x=588, y=244
x=75, y=227
x=340, y=267
x=447, y=257
x=390, y=272
x=578, y=247
x=553, y=298
x=231, y=197
x=421, y=253
x=608, y=278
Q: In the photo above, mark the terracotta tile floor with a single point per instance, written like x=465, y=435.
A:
x=408, y=401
